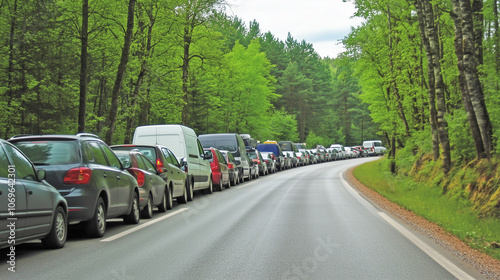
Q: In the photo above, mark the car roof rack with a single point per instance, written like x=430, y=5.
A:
x=87, y=135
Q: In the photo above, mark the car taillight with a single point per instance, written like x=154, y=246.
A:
x=139, y=176
x=230, y=165
x=79, y=175
x=159, y=165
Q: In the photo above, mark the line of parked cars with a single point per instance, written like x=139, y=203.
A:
x=48, y=182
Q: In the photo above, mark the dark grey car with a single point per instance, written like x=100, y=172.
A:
x=170, y=170
x=30, y=208
x=88, y=175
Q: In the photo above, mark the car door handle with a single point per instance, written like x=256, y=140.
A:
x=30, y=192
x=0, y=192
x=104, y=174
x=117, y=177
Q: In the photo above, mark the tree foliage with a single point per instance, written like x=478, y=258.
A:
x=106, y=67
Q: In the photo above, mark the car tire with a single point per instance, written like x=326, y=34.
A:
x=147, y=212
x=190, y=193
x=210, y=188
x=184, y=199
x=58, y=232
x=96, y=226
x=164, y=201
x=134, y=217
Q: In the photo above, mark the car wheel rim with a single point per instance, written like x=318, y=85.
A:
x=60, y=227
x=150, y=207
x=164, y=200
x=170, y=199
x=136, y=209
x=101, y=220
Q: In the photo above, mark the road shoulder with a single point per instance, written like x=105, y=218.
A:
x=484, y=264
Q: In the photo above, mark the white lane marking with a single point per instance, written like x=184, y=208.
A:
x=127, y=232
x=440, y=259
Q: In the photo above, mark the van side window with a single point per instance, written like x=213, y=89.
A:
x=200, y=148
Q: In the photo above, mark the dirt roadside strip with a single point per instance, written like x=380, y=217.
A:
x=488, y=266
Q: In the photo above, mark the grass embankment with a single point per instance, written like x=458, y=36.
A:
x=457, y=214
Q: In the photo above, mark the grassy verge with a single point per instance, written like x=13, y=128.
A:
x=454, y=214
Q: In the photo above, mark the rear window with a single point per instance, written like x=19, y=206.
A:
x=268, y=148
x=51, y=152
x=252, y=154
x=227, y=143
x=286, y=146
x=149, y=152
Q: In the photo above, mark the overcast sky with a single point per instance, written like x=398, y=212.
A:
x=320, y=22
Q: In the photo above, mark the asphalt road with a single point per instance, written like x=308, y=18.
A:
x=303, y=223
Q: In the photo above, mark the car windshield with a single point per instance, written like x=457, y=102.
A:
x=51, y=152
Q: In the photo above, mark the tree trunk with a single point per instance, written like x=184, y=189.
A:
x=471, y=117
x=430, y=74
x=10, y=78
x=472, y=77
x=442, y=124
x=433, y=53
x=83, y=67
x=185, y=75
x=122, y=67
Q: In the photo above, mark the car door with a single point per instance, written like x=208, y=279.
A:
x=103, y=176
x=38, y=198
x=174, y=172
x=122, y=181
x=223, y=167
x=157, y=182
x=12, y=211
x=205, y=170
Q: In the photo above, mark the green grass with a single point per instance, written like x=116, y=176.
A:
x=456, y=215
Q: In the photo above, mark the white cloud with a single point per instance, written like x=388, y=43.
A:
x=319, y=22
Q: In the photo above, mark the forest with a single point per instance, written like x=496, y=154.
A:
x=106, y=67
x=420, y=75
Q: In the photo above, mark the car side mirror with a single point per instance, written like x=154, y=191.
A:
x=41, y=174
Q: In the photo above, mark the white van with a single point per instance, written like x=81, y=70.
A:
x=184, y=143
x=374, y=147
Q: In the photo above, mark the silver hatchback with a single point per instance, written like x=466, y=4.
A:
x=30, y=208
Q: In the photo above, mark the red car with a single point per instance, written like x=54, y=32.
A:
x=220, y=171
